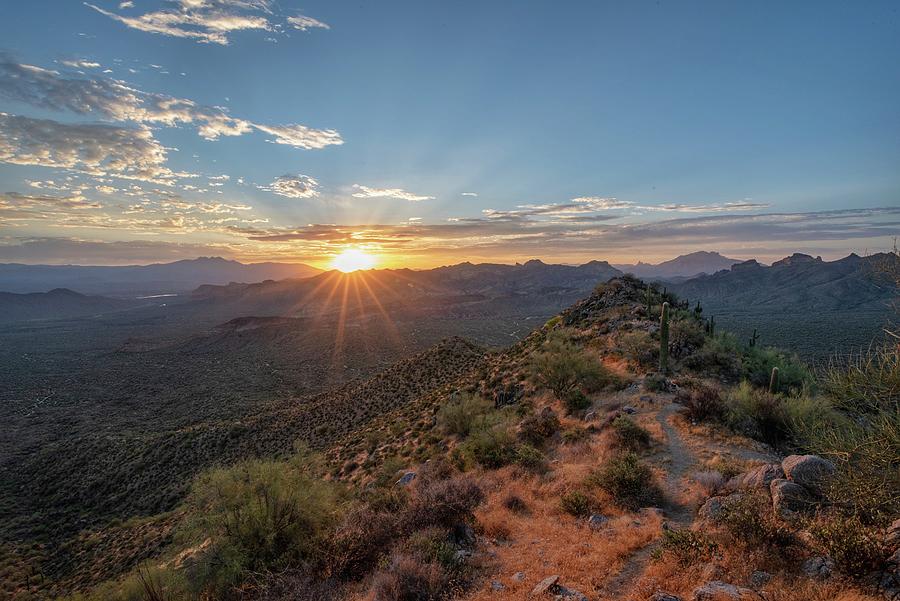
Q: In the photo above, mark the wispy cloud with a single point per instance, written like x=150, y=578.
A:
x=367, y=192
x=294, y=186
x=468, y=194
x=117, y=101
x=211, y=21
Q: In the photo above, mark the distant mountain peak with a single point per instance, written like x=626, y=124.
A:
x=796, y=259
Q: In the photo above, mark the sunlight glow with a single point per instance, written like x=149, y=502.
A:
x=353, y=259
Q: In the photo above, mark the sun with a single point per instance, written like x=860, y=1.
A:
x=353, y=259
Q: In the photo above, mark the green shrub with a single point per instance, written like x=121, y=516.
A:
x=688, y=547
x=432, y=545
x=490, y=447
x=640, y=347
x=531, y=459
x=575, y=401
x=628, y=480
x=865, y=384
x=857, y=549
x=576, y=503
x=464, y=414
x=701, y=403
x=629, y=434
x=685, y=337
x=655, y=383
x=537, y=428
x=758, y=414
x=261, y=516
x=757, y=363
x=574, y=435
x=410, y=579
x=719, y=356
x=750, y=521
x=562, y=367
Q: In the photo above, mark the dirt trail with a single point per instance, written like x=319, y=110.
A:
x=677, y=515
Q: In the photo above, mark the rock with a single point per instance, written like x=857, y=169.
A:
x=809, y=471
x=712, y=572
x=590, y=416
x=759, y=579
x=597, y=521
x=789, y=498
x=546, y=585
x=759, y=477
x=889, y=581
x=719, y=591
x=713, y=509
x=629, y=410
x=661, y=596
x=518, y=577
x=463, y=535
x=818, y=567
x=892, y=535
x=567, y=594
x=496, y=585
x=406, y=478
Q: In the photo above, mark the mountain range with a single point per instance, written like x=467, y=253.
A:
x=137, y=280
x=681, y=267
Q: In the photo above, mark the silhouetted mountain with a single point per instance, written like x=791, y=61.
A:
x=684, y=266
x=133, y=280
x=58, y=303
x=799, y=283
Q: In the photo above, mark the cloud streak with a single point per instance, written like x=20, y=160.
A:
x=294, y=186
x=367, y=192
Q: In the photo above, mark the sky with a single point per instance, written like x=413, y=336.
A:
x=427, y=133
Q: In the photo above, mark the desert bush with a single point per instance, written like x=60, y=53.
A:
x=531, y=459
x=688, y=547
x=719, y=355
x=757, y=363
x=443, y=503
x=360, y=542
x=515, y=503
x=409, y=579
x=261, y=516
x=490, y=447
x=710, y=481
x=758, y=414
x=867, y=383
x=750, y=520
x=576, y=503
x=433, y=545
x=575, y=401
x=464, y=414
x=628, y=481
x=147, y=583
x=630, y=435
x=574, y=435
x=701, y=403
x=856, y=548
x=562, y=367
x=685, y=337
x=537, y=428
x=640, y=347
x=655, y=383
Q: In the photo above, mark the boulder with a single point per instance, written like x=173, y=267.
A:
x=818, y=567
x=567, y=594
x=719, y=591
x=662, y=596
x=518, y=577
x=496, y=585
x=759, y=579
x=759, y=477
x=546, y=585
x=889, y=582
x=892, y=535
x=788, y=498
x=713, y=509
x=406, y=478
x=809, y=471
x=597, y=521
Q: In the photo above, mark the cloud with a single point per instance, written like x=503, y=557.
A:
x=64, y=250
x=600, y=203
x=114, y=100
x=468, y=194
x=211, y=21
x=367, y=192
x=294, y=186
x=95, y=149
x=81, y=64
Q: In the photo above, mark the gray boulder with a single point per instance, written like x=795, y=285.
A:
x=892, y=535
x=818, y=568
x=567, y=594
x=810, y=471
x=759, y=477
x=597, y=521
x=788, y=498
x=406, y=478
x=718, y=590
x=759, y=579
x=661, y=596
x=545, y=586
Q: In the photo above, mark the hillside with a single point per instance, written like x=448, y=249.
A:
x=564, y=466
x=59, y=303
x=136, y=280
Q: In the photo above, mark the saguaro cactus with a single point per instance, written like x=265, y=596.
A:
x=773, y=381
x=664, y=339
x=649, y=299
x=754, y=338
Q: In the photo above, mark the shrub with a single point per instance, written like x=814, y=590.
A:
x=515, y=503
x=656, y=383
x=360, y=541
x=574, y=435
x=531, y=459
x=685, y=337
x=710, y=481
x=701, y=403
x=628, y=480
x=575, y=401
x=867, y=383
x=464, y=414
x=262, y=516
x=688, y=547
x=576, y=503
x=562, y=368
x=758, y=414
x=750, y=520
x=409, y=579
x=443, y=503
x=491, y=447
x=719, y=355
x=857, y=549
x=640, y=347
x=432, y=545
x=757, y=364
x=536, y=428
x=630, y=435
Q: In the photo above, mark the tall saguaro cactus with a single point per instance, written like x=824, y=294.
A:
x=773, y=381
x=664, y=339
x=649, y=299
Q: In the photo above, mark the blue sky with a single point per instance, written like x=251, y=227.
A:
x=430, y=133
